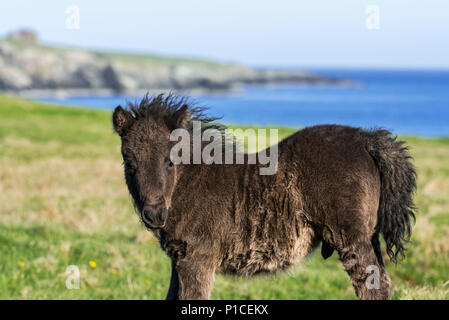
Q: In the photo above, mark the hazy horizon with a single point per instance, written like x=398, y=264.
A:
x=324, y=34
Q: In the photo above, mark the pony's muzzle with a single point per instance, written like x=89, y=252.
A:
x=154, y=215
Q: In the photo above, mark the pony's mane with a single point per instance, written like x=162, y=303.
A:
x=168, y=106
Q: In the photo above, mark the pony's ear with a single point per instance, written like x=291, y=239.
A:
x=121, y=120
x=181, y=117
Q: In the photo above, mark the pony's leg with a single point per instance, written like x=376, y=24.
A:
x=173, y=290
x=196, y=280
x=368, y=275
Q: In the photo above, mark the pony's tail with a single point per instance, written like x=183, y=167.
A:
x=398, y=184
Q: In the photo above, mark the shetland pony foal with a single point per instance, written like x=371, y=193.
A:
x=335, y=185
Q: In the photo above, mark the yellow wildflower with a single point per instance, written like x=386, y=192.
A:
x=93, y=264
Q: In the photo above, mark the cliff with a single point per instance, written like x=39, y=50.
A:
x=27, y=66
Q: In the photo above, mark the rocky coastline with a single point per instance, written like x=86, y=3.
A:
x=30, y=68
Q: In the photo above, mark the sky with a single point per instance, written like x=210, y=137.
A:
x=294, y=33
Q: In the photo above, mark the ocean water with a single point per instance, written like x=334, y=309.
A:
x=406, y=102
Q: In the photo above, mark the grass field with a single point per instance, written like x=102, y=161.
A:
x=63, y=201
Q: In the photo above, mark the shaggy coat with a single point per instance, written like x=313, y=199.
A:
x=337, y=186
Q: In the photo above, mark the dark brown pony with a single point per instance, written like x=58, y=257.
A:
x=335, y=185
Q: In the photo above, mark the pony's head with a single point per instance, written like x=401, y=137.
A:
x=145, y=130
x=145, y=133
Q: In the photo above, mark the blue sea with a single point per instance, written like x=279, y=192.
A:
x=406, y=102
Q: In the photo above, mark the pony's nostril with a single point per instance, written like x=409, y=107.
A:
x=154, y=215
x=146, y=216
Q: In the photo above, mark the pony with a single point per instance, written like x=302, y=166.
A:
x=338, y=186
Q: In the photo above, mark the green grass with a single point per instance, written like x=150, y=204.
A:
x=63, y=202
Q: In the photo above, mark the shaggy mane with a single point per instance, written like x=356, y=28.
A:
x=167, y=106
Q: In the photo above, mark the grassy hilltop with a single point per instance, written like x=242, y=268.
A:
x=63, y=201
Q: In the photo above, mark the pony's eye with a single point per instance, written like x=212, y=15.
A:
x=170, y=164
